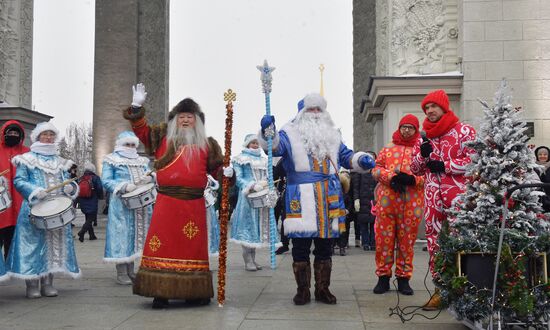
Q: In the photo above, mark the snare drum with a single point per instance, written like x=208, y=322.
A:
x=143, y=195
x=53, y=213
x=5, y=200
x=258, y=199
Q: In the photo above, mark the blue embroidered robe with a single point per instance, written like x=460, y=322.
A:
x=313, y=199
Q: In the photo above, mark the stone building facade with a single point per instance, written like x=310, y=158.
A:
x=463, y=46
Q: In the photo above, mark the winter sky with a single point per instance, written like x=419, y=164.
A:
x=214, y=45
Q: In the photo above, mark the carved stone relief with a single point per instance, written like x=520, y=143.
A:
x=16, y=52
x=420, y=31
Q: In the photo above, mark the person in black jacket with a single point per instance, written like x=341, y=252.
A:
x=279, y=176
x=88, y=205
x=542, y=154
x=363, y=185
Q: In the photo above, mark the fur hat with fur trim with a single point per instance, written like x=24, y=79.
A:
x=313, y=100
x=189, y=106
x=438, y=97
x=41, y=128
x=249, y=138
x=126, y=137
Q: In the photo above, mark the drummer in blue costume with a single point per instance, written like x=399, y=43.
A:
x=312, y=152
x=250, y=226
x=123, y=171
x=36, y=254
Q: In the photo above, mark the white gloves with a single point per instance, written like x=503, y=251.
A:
x=228, y=172
x=41, y=195
x=3, y=182
x=130, y=187
x=357, y=205
x=260, y=185
x=145, y=180
x=139, y=95
x=68, y=189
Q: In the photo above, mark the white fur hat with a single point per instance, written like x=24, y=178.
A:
x=126, y=137
x=313, y=100
x=249, y=138
x=41, y=128
x=88, y=166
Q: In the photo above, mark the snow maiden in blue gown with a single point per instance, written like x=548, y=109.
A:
x=36, y=254
x=250, y=226
x=124, y=170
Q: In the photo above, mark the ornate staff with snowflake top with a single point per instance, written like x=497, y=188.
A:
x=269, y=133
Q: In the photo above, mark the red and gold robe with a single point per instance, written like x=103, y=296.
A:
x=175, y=263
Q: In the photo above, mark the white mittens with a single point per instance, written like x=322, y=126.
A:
x=357, y=205
x=68, y=189
x=257, y=187
x=228, y=172
x=146, y=179
x=139, y=95
x=41, y=195
x=130, y=187
x=3, y=182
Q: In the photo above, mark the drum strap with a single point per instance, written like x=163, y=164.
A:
x=180, y=192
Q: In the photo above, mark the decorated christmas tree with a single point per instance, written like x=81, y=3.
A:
x=502, y=160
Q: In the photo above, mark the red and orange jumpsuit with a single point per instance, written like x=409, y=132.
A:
x=398, y=213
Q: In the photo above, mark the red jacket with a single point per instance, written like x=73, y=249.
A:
x=9, y=217
x=449, y=148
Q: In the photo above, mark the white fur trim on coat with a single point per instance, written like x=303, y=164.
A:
x=308, y=222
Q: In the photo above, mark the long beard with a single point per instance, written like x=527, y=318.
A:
x=318, y=133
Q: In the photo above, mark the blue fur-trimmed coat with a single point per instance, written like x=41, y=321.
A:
x=126, y=229
x=249, y=226
x=313, y=200
x=36, y=252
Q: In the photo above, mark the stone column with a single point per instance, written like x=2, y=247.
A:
x=364, y=65
x=131, y=46
x=16, y=17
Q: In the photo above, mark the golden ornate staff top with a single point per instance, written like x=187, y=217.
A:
x=228, y=97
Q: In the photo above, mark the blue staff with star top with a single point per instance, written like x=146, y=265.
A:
x=269, y=133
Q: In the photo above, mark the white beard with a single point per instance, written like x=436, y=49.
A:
x=318, y=134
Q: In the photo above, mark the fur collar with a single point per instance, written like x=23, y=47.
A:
x=255, y=161
x=116, y=160
x=49, y=164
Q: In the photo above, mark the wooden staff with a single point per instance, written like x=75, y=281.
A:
x=64, y=183
x=229, y=97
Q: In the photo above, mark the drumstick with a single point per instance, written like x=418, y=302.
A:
x=64, y=183
x=4, y=172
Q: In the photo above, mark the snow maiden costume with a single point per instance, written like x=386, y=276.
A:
x=312, y=152
x=122, y=171
x=250, y=226
x=36, y=253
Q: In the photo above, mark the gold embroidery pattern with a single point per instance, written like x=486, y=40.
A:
x=190, y=230
x=154, y=243
x=294, y=205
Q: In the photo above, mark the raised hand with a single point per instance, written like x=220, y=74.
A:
x=138, y=95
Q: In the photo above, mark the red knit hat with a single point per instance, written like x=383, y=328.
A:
x=410, y=120
x=438, y=97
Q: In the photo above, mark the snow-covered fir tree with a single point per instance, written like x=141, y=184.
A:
x=502, y=160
